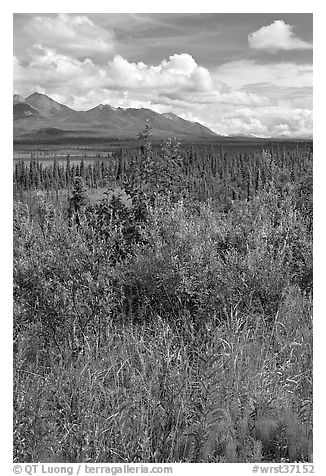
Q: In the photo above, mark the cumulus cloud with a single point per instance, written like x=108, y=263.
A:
x=178, y=72
x=277, y=36
x=70, y=34
x=273, y=122
x=298, y=122
x=48, y=67
x=219, y=99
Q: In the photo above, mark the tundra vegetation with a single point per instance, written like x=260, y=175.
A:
x=170, y=321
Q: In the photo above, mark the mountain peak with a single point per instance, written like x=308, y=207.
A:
x=40, y=97
x=47, y=106
x=100, y=121
x=102, y=109
x=36, y=93
x=105, y=107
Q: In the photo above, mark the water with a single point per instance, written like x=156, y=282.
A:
x=47, y=157
x=90, y=156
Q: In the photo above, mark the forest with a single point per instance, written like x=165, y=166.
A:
x=163, y=306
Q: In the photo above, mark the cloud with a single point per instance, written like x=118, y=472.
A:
x=277, y=36
x=241, y=73
x=178, y=78
x=49, y=68
x=273, y=122
x=227, y=99
x=70, y=34
x=180, y=71
x=216, y=97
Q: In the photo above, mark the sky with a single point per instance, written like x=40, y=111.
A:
x=237, y=74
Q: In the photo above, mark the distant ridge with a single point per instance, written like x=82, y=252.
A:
x=46, y=106
x=24, y=110
x=36, y=115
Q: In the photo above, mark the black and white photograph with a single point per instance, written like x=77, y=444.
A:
x=162, y=240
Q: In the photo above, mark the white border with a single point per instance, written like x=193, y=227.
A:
x=168, y=6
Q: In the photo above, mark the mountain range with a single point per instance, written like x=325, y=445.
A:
x=38, y=117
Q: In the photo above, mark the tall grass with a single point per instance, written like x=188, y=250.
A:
x=195, y=347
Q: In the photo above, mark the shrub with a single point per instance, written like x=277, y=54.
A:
x=157, y=329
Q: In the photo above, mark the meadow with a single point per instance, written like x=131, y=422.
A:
x=163, y=306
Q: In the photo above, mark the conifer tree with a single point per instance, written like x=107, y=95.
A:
x=78, y=199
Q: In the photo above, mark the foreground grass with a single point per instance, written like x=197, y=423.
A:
x=196, y=347
x=152, y=395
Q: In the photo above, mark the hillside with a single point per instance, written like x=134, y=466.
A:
x=38, y=115
x=23, y=110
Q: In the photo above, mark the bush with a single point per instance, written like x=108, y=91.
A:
x=153, y=329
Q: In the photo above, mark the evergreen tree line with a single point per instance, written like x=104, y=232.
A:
x=198, y=173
